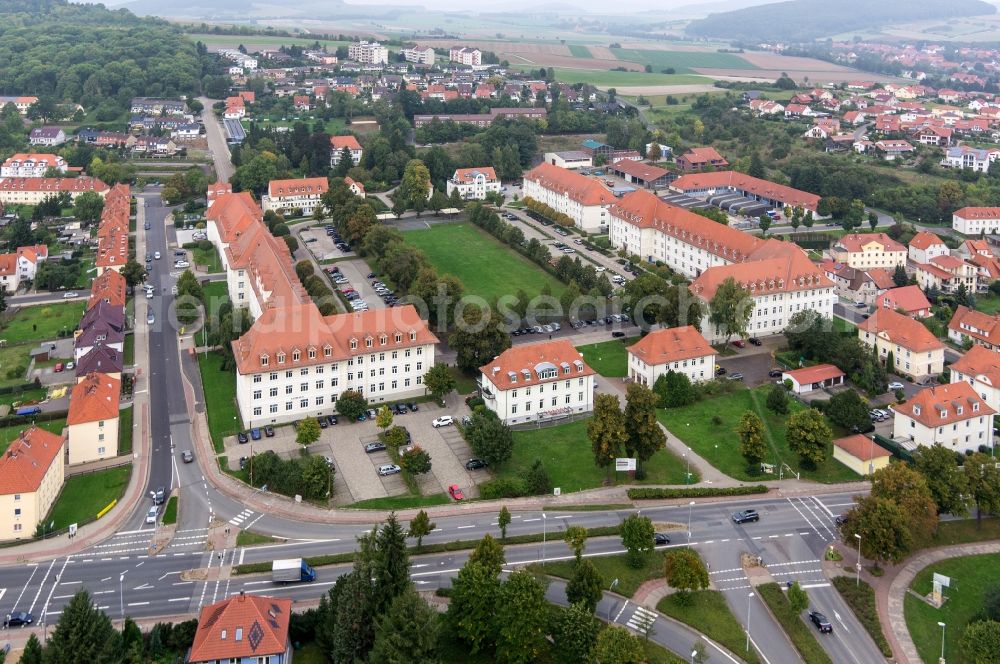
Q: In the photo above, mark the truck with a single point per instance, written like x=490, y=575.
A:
x=292, y=570
x=24, y=411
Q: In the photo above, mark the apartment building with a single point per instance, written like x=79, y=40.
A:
x=113, y=230
x=21, y=265
x=32, y=471
x=699, y=159
x=869, y=250
x=33, y=165
x=538, y=382
x=909, y=300
x=976, y=220
x=860, y=286
x=915, y=350
x=982, y=329
x=50, y=136
x=369, y=53
x=473, y=183
x=337, y=146
x=583, y=199
x=679, y=349
x=102, y=325
x=22, y=104
x=92, y=421
x=420, y=55
x=951, y=415
x=464, y=55
x=980, y=368
x=947, y=273
x=963, y=156
x=925, y=246
x=32, y=191
x=304, y=194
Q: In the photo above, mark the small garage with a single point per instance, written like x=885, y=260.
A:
x=809, y=379
x=861, y=454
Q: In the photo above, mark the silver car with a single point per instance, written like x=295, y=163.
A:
x=388, y=469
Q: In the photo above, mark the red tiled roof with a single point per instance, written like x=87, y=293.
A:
x=72, y=185
x=861, y=447
x=671, y=345
x=110, y=287
x=742, y=182
x=468, y=175
x=882, y=277
x=923, y=240
x=983, y=326
x=856, y=242
x=939, y=405
x=580, y=188
x=773, y=267
x=297, y=187
x=907, y=298
x=981, y=363
x=637, y=169
x=978, y=213
x=814, y=374
x=244, y=626
x=93, y=399
x=901, y=330
x=234, y=214
x=533, y=358
x=341, y=142
x=704, y=155
x=24, y=464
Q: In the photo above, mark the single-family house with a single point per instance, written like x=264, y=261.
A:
x=925, y=245
x=970, y=325
x=245, y=629
x=963, y=156
x=951, y=415
x=47, y=136
x=340, y=144
x=679, y=349
x=915, y=350
x=909, y=300
x=92, y=421
x=699, y=159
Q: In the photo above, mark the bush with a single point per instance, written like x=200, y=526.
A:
x=653, y=493
x=777, y=400
x=503, y=488
x=861, y=599
x=537, y=480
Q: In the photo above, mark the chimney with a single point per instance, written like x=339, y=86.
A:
x=242, y=596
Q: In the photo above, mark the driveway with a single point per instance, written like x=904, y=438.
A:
x=447, y=448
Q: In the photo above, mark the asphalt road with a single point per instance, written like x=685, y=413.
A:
x=216, y=142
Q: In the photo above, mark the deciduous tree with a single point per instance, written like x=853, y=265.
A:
x=882, y=526
x=475, y=593
x=637, y=538
x=616, y=645
x=351, y=404
x=730, y=308
x=809, y=435
x=575, y=634
x=846, y=409
x=489, y=437
x=383, y=418
x=522, y=616
x=585, y=586
x=644, y=435
x=751, y=433
x=503, y=520
x=983, y=479
x=420, y=526
x=777, y=400
x=307, y=432
x=908, y=489
x=606, y=430
x=981, y=642
x=685, y=571
x=489, y=554
x=439, y=381
x=416, y=461
x=798, y=599
x=478, y=337
x=576, y=539
x=674, y=390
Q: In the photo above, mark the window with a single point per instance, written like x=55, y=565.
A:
x=296, y=355
x=281, y=358
x=303, y=387
x=17, y=496
x=420, y=366
x=288, y=374
x=273, y=376
x=513, y=409
x=399, y=337
x=354, y=344
x=263, y=360
x=273, y=408
x=319, y=385
x=327, y=351
x=257, y=378
x=304, y=371
x=334, y=381
x=579, y=396
x=288, y=389
x=257, y=411
x=288, y=405
x=303, y=403
x=256, y=394
x=406, y=382
x=312, y=353
x=567, y=399
x=274, y=391
x=368, y=342
x=319, y=401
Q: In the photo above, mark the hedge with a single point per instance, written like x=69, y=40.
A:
x=861, y=599
x=801, y=635
x=696, y=492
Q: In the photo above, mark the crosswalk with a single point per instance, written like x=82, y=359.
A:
x=642, y=619
x=240, y=518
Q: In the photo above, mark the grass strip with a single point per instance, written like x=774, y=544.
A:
x=802, y=637
x=703, y=492
x=250, y=538
x=611, y=568
x=707, y=612
x=444, y=547
x=861, y=599
x=170, y=511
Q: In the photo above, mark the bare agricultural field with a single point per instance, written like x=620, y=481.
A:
x=544, y=54
x=647, y=90
x=791, y=63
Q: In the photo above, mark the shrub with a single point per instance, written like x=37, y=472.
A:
x=503, y=488
x=653, y=493
x=861, y=599
x=537, y=479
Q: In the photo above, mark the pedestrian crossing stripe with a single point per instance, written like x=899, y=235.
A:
x=241, y=517
x=642, y=619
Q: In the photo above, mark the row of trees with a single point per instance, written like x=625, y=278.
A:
x=632, y=431
x=307, y=476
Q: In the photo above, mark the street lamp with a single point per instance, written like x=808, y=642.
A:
x=121, y=594
x=690, y=505
x=611, y=588
x=858, y=535
x=544, y=521
x=942, y=626
x=749, y=597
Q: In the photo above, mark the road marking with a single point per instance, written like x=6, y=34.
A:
x=642, y=619
x=816, y=585
x=822, y=506
x=178, y=599
x=464, y=527
x=804, y=517
x=241, y=517
x=619, y=614
x=137, y=604
x=530, y=520
x=182, y=583
x=65, y=583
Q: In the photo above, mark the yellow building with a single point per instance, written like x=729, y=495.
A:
x=31, y=477
x=861, y=454
x=92, y=423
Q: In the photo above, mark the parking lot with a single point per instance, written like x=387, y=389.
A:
x=320, y=244
x=356, y=272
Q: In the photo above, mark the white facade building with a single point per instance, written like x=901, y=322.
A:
x=681, y=349
x=284, y=196
x=976, y=220
x=421, y=55
x=473, y=183
x=371, y=53
x=584, y=200
x=463, y=55
x=32, y=165
x=952, y=415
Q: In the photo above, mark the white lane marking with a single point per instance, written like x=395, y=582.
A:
x=42, y=585
x=619, y=614
x=804, y=517
x=178, y=599
x=822, y=506
x=819, y=518
x=137, y=604
x=719, y=648
x=816, y=585
x=464, y=527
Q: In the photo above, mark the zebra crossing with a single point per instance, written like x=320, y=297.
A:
x=642, y=619
x=241, y=518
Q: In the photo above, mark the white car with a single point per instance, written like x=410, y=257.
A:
x=152, y=513
x=70, y=294
x=156, y=255
x=182, y=264
x=601, y=268
x=149, y=294
x=895, y=385
x=443, y=421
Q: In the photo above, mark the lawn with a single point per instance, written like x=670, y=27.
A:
x=14, y=362
x=170, y=511
x=215, y=295
x=84, y=496
x=220, y=398
x=604, y=78
x=988, y=303
x=566, y=453
x=250, y=538
x=464, y=383
x=402, y=502
x=970, y=576
x=608, y=358
x=803, y=636
x=125, y=430
x=463, y=251
x=611, y=568
x=580, y=51
x=41, y=322
x=682, y=61
x=709, y=428
x=30, y=394
x=963, y=531
x=708, y=613
x=10, y=433
x=207, y=258
x=843, y=326
x=128, y=350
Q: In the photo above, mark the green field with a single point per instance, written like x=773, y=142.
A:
x=970, y=577
x=608, y=358
x=682, y=61
x=42, y=322
x=220, y=398
x=463, y=250
x=720, y=446
x=708, y=612
x=261, y=41
x=566, y=453
x=333, y=126
x=580, y=51
x=611, y=568
x=604, y=78
x=9, y=434
x=84, y=496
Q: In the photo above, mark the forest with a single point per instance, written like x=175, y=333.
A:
x=92, y=56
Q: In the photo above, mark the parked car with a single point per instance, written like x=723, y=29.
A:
x=269, y=431
x=150, y=318
x=255, y=433
x=895, y=385
x=775, y=373
x=187, y=456
x=388, y=469
x=443, y=421
x=244, y=461
x=323, y=424
x=736, y=376
x=70, y=294
x=745, y=516
x=331, y=420
x=182, y=264
x=151, y=514
x=821, y=622
x=376, y=446
x=242, y=438
x=618, y=334
x=475, y=464
x=720, y=371
x=739, y=343
x=18, y=619
x=58, y=368
x=755, y=341
x=156, y=255
x=455, y=492
x=413, y=406
x=158, y=496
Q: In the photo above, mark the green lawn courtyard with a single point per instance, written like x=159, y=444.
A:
x=970, y=576
x=608, y=358
x=39, y=323
x=484, y=265
x=566, y=453
x=207, y=259
x=220, y=398
x=709, y=428
x=84, y=496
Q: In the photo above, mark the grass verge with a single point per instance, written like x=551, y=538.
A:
x=170, y=512
x=125, y=430
x=84, y=496
x=250, y=538
x=707, y=612
x=220, y=398
x=402, y=502
x=861, y=599
x=964, y=531
x=608, y=358
x=611, y=568
x=802, y=637
x=128, y=350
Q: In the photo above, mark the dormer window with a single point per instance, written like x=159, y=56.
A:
x=382, y=340
x=327, y=351
x=916, y=410
x=975, y=407
x=354, y=344
x=399, y=338
x=959, y=410
x=413, y=335
x=263, y=360
x=281, y=358
x=368, y=342
x=312, y=353
x=296, y=355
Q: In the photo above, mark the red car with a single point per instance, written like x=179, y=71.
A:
x=59, y=367
x=739, y=343
x=455, y=492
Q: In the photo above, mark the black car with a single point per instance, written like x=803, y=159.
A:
x=413, y=406
x=243, y=462
x=745, y=516
x=821, y=622
x=617, y=334
x=775, y=373
x=371, y=275
x=18, y=619
x=242, y=437
x=755, y=341
x=840, y=519
x=475, y=464
x=331, y=420
x=660, y=539
x=374, y=447
x=721, y=371
x=322, y=422
x=269, y=431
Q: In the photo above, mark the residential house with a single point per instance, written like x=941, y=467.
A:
x=463, y=55
x=101, y=359
x=21, y=103
x=584, y=200
x=101, y=325
x=32, y=470
x=980, y=368
x=215, y=190
x=924, y=246
x=860, y=453
x=245, y=629
x=47, y=136
x=154, y=106
x=970, y=325
x=765, y=107
x=915, y=350
x=301, y=102
x=947, y=274
x=303, y=194
x=810, y=379
x=934, y=135
x=32, y=165
x=473, y=183
x=951, y=415
x=869, y=250
x=357, y=188
x=963, y=156
x=340, y=143
x=909, y=300
x=235, y=108
x=976, y=220
x=538, y=382
x=700, y=159
x=857, y=285
x=892, y=149
x=32, y=191
x=92, y=421
x=188, y=131
x=679, y=349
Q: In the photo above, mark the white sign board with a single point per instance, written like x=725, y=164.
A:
x=624, y=464
x=941, y=580
x=557, y=491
